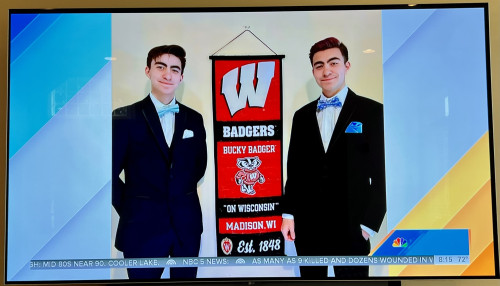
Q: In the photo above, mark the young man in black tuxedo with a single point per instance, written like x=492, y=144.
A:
x=160, y=146
x=335, y=192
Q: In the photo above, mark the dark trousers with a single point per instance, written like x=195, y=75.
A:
x=166, y=245
x=321, y=272
x=308, y=247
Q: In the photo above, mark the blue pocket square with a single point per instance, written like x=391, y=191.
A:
x=354, y=127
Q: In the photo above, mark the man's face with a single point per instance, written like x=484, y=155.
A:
x=165, y=75
x=329, y=70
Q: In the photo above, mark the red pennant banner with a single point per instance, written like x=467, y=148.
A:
x=247, y=97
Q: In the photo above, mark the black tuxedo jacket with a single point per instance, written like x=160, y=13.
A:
x=160, y=189
x=331, y=193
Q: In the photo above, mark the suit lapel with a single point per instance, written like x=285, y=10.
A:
x=151, y=116
x=344, y=118
x=312, y=120
x=180, y=123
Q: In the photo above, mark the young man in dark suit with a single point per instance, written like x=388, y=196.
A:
x=160, y=146
x=335, y=192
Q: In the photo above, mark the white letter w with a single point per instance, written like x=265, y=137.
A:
x=256, y=95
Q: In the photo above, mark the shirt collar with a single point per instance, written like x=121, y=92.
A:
x=342, y=94
x=158, y=104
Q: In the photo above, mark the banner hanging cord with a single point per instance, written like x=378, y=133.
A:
x=246, y=30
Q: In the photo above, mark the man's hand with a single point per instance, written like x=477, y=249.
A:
x=288, y=229
x=365, y=234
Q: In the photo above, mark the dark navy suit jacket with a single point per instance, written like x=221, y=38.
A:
x=331, y=193
x=160, y=189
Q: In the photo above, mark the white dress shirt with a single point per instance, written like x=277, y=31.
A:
x=167, y=121
x=327, y=118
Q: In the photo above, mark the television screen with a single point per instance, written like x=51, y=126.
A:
x=322, y=142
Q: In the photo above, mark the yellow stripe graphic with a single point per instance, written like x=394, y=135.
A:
x=484, y=264
x=478, y=219
x=461, y=199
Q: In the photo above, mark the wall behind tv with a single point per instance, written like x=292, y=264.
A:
x=494, y=26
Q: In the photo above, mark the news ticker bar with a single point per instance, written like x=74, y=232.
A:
x=249, y=261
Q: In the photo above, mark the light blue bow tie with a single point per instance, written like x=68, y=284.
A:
x=335, y=102
x=168, y=108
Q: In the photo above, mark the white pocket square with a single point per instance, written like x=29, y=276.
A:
x=187, y=134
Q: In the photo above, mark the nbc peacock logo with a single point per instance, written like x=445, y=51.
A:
x=400, y=242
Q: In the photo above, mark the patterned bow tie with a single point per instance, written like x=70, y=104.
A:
x=322, y=104
x=168, y=108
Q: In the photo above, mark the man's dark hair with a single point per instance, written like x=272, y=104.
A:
x=175, y=50
x=329, y=43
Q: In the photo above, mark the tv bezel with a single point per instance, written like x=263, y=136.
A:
x=211, y=9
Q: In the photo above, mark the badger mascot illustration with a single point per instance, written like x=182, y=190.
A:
x=248, y=176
